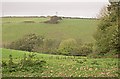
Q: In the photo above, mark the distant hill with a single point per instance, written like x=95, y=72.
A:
x=15, y=28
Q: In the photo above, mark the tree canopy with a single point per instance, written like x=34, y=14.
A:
x=107, y=34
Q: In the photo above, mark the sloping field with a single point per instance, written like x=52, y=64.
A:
x=15, y=28
x=64, y=66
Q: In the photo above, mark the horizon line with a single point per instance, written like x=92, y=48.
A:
x=45, y=16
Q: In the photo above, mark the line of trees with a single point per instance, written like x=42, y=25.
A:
x=107, y=34
x=40, y=44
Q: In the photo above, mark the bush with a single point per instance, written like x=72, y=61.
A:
x=35, y=43
x=67, y=47
x=31, y=63
x=97, y=54
x=75, y=48
x=84, y=50
x=4, y=63
x=28, y=63
x=50, y=46
x=27, y=43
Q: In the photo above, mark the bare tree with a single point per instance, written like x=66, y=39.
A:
x=103, y=12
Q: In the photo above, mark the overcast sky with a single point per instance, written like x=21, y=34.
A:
x=75, y=8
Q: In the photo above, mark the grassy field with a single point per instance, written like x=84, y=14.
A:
x=15, y=28
x=65, y=66
x=56, y=65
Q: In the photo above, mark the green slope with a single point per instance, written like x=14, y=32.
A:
x=58, y=65
x=14, y=28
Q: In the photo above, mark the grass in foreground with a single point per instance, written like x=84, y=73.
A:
x=65, y=66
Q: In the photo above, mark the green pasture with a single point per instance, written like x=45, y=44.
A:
x=15, y=28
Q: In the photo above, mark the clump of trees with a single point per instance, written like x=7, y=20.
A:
x=28, y=43
x=35, y=43
x=40, y=44
x=53, y=20
x=107, y=34
x=74, y=48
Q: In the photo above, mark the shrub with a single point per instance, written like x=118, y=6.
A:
x=67, y=47
x=50, y=46
x=27, y=43
x=11, y=65
x=4, y=63
x=86, y=49
x=28, y=63
x=35, y=43
x=28, y=60
x=83, y=50
x=75, y=48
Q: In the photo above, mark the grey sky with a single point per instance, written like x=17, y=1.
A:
x=55, y=0
x=77, y=9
